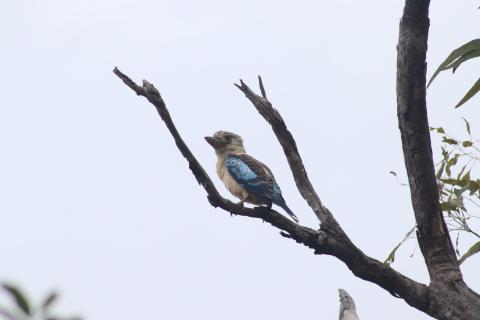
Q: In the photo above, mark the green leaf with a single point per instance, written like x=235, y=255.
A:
x=467, y=124
x=451, y=163
x=473, y=90
x=50, y=298
x=449, y=140
x=444, y=153
x=466, y=177
x=473, y=250
x=391, y=257
x=459, y=193
x=467, y=144
x=470, y=55
x=19, y=297
x=461, y=172
x=452, y=182
x=454, y=55
x=439, y=129
x=448, y=206
x=440, y=170
x=473, y=187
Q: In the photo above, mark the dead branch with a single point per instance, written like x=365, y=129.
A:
x=330, y=239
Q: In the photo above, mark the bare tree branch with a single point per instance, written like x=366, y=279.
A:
x=273, y=117
x=151, y=93
x=432, y=234
x=330, y=239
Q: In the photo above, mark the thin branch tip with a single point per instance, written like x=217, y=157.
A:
x=262, y=88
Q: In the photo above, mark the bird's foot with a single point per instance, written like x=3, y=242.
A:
x=240, y=203
x=268, y=207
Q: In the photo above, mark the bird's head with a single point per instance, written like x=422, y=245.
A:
x=225, y=142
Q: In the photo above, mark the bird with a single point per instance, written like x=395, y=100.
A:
x=347, y=306
x=244, y=176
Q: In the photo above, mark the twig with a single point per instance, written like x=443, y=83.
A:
x=262, y=88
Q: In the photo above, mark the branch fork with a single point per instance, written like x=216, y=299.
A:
x=330, y=239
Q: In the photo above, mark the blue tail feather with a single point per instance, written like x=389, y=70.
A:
x=281, y=203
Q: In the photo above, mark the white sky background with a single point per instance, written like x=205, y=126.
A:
x=97, y=202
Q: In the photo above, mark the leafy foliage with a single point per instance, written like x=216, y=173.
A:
x=473, y=249
x=24, y=310
x=458, y=187
x=458, y=56
x=20, y=299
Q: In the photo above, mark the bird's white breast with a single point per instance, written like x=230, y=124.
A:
x=229, y=182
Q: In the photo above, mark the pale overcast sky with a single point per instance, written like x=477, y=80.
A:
x=97, y=202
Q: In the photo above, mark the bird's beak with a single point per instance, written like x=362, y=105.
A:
x=215, y=143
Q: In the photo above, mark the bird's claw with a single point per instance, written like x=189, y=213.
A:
x=240, y=203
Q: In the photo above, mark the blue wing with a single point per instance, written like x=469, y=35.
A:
x=257, y=179
x=252, y=175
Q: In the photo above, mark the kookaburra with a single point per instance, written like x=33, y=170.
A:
x=244, y=176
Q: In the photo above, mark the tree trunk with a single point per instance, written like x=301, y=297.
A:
x=449, y=297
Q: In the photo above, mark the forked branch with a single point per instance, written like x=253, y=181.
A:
x=330, y=239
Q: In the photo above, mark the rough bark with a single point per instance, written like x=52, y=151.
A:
x=447, y=297
x=432, y=232
x=450, y=298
